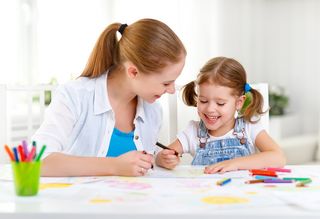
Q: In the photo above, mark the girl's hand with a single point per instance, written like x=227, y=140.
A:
x=222, y=167
x=167, y=159
x=133, y=163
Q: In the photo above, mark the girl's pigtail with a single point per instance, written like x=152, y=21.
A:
x=189, y=95
x=252, y=108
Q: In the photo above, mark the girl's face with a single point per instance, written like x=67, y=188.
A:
x=152, y=86
x=216, y=107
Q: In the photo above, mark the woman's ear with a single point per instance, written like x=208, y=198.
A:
x=132, y=70
x=240, y=102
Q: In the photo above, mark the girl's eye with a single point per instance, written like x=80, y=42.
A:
x=220, y=104
x=203, y=101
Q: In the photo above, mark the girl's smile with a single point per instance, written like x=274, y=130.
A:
x=216, y=108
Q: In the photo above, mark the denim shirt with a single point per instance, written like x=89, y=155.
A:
x=211, y=152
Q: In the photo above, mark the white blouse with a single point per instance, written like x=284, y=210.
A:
x=80, y=121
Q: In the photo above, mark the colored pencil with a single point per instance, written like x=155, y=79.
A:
x=20, y=150
x=15, y=152
x=223, y=181
x=9, y=152
x=296, y=178
x=25, y=148
x=254, y=181
x=31, y=154
x=165, y=147
x=265, y=177
x=279, y=169
x=303, y=183
x=41, y=152
x=263, y=172
x=277, y=181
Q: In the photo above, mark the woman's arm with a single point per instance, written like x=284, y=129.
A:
x=134, y=163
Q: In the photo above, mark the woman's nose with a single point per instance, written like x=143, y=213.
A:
x=171, y=89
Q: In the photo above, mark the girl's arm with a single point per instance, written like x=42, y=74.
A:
x=167, y=158
x=270, y=156
x=134, y=163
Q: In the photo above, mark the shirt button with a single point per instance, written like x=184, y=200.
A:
x=136, y=137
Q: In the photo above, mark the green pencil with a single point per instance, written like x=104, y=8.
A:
x=296, y=178
x=41, y=152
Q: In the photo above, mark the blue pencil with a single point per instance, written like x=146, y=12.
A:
x=16, y=157
x=223, y=181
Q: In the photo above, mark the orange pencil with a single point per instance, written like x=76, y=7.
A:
x=9, y=152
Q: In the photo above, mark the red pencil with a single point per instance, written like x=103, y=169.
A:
x=22, y=156
x=263, y=172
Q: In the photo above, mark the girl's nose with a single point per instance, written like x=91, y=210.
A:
x=211, y=107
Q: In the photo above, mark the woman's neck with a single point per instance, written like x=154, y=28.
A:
x=119, y=89
x=123, y=101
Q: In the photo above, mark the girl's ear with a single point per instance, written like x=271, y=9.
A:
x=240, y=102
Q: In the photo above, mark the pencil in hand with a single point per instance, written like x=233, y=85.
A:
x=165, y=147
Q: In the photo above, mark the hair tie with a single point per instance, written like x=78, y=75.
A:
x=122, y=27
x=247, y=88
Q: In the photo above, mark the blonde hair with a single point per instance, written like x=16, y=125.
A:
x=229, y=73
x=149, y=44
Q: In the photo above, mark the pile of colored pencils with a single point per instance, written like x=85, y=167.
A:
x=22, y=154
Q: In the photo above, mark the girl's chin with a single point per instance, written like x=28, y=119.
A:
x=211, y=126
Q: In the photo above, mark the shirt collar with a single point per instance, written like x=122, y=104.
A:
x=101, y=99
x=140, y=109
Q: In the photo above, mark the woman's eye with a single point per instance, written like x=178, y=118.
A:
x=203, y=101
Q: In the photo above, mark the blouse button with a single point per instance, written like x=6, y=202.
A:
x=136, y=137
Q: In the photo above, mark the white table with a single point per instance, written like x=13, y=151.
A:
x=184, y=193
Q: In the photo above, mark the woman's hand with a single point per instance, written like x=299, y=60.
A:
x=133, y=163
x=167, y=159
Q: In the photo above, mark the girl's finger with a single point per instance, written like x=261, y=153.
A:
x=168, y=152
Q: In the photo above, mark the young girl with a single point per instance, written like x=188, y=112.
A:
x=220, y=140
x=106, y=121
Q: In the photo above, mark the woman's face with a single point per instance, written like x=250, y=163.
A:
x=152, y=86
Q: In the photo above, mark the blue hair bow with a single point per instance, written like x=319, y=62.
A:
x=247, y=88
